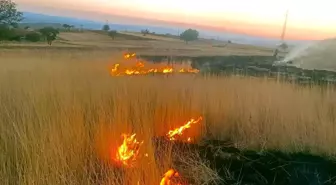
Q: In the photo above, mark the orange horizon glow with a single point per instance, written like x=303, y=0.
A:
x=308, y=20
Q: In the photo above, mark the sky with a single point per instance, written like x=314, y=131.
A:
x=307, y=19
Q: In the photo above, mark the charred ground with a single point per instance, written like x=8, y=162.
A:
x=244, y=167
x=255, y=65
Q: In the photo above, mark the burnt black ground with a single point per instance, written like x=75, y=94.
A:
x=250, y=66
x=251, y=167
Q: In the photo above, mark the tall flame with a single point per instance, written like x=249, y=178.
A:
x=172, y=134
x=168, y=176
x=129, y=150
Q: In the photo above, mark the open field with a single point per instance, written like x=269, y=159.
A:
x=151, y=36
x=62, y=116
x=152, y=46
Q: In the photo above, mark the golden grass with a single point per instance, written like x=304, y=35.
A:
x=61, y=113
x=151, y=36
x=84, y=36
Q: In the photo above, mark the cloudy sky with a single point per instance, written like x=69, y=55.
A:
x=308, y=19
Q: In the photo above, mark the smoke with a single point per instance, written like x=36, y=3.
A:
x=297, y=52
x=318, y=55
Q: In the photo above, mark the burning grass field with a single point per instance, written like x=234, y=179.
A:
x=63, y=116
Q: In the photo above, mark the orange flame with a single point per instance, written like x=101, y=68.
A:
x=129, y=150
x=168, y=176
x=172, y=134
x=140, y=68
x=140, y=64
x=115, y=68
x=188, y=71
x=167, y=70
x=129, y=55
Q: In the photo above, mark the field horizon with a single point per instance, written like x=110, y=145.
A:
x=134, y=41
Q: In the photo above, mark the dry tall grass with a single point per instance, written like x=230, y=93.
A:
x=61, y=114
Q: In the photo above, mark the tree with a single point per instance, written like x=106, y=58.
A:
x=66, y=27
x=113, y=34
x=189, y=35
x=49, y=33
x=106, y=27
x=9, y=15
x=145, y=32
x=72, y=27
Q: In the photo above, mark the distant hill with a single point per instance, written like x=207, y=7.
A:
x=36, y=20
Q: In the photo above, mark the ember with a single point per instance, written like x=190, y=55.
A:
x=173, y=134
x=129, y=150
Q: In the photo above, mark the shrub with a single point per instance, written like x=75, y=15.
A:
x=5, y=32
x=33, y=37
x=14, y=37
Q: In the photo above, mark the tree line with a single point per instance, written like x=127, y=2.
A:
x=187, y=36
x=10, y=18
